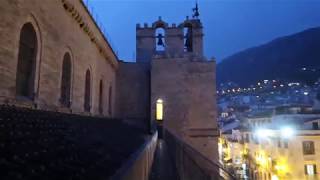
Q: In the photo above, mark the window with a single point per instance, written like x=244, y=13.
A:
x=247, y=138
x=279, y=143
x=315, y=125
x=65, y=94
x=285, y=143
x=310, y=169
x=110, y=100
x=87, y=92
x=101, y=97
x=308, y=147
x=159, y=110
x=25, y=76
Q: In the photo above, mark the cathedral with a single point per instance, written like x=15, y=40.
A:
x=61, y=79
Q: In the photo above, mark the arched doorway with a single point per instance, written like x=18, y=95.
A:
x=159, y=110
x=159, y=117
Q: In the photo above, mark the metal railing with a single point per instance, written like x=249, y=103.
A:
x=95, y=16
x=191, y=164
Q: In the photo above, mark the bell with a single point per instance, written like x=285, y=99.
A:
x=188, y=42
x=160, y=41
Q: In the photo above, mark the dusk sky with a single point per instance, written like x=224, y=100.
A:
x=229, y=25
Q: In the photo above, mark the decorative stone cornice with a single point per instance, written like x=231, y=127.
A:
x=75, y=14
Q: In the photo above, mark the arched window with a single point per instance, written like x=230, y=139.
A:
x=65, y=94
x=87, y=92
x=101, y=97
x=159, y=110
x=110, y=100
x=160, y=39
x=25, y=77
x=187, y=34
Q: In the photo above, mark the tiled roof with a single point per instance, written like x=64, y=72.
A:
x=47, y=145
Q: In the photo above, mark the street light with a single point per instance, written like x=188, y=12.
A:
x=287, y=132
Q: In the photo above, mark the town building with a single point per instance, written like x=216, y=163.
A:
x=283, y=146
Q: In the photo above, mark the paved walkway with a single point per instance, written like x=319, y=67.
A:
x=163, y=167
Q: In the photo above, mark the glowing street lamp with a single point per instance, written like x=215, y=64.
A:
x=263, y=133
x=287, y=132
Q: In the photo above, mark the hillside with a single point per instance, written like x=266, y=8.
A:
x=292, y=58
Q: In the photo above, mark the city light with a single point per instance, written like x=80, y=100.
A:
x=263, y=133
x=281, y=166
x=274, y=177
x=287, y=132
x=306, y=93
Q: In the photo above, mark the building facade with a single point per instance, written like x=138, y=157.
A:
x=53, y=56
x=286, y=151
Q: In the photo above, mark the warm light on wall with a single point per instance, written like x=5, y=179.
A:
x=261, y=159
x=281, y=167
x=274, y=177
x=159, y=110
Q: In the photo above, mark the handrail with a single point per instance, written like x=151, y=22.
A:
x=122, y=172
x=224, y=173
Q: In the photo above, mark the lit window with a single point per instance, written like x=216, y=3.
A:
x=159, y=110
x=310, y=169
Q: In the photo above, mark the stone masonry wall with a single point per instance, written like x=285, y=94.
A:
x=58, y=32
x=133, y=82
x=188, y=91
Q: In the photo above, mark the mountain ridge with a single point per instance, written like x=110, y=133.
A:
x=282, y=58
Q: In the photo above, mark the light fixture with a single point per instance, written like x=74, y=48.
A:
x=263, y=133
x=287, y=132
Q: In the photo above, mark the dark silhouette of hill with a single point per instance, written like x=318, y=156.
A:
x=283, y=58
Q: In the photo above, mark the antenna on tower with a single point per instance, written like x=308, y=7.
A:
x=195, y=10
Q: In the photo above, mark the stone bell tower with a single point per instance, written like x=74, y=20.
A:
x=185, y=39
x=183, y=89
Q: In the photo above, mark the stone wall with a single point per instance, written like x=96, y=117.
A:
x=139, y=165
x=133, y=92
x=145, y=43
x=61, y=26
x=188, y=91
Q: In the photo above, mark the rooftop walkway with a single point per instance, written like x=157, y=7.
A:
x=163, y=166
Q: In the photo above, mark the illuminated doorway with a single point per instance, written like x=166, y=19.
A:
x=159, y=110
